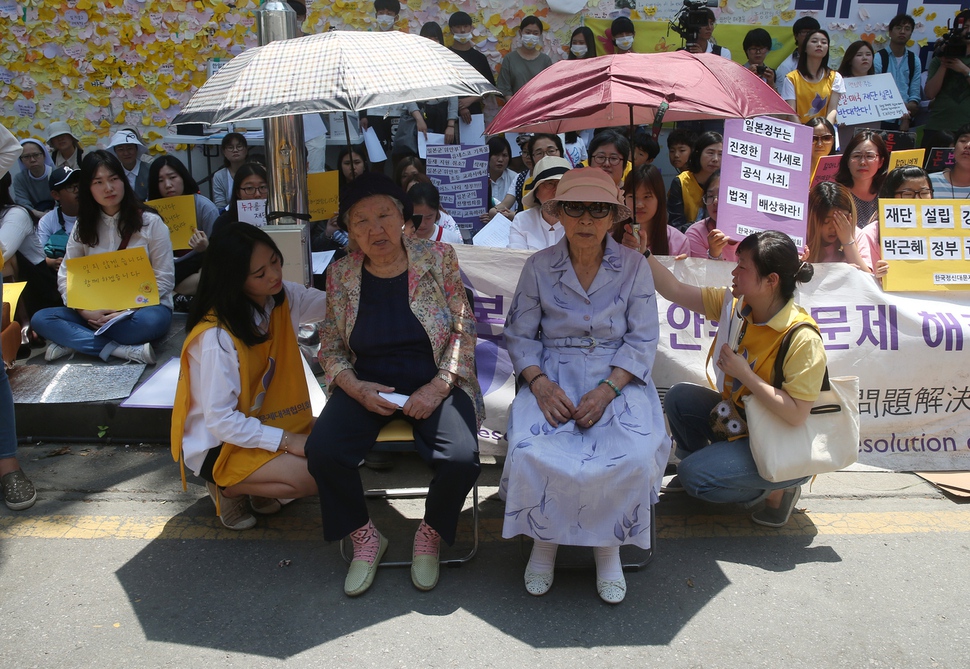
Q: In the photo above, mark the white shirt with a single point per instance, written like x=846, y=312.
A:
x=786, y=67
x=725, y=52
x=213, y=417
x=132, y=174
x=49, y=224
x=17, y=234
x=531, y=231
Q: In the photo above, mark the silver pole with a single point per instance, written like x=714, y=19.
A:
x=288, y=202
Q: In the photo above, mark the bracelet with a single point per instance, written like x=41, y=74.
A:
x=536, y=378
x=283, y=443
x=444, y=377
x=849, y=243
x=611, y=385
x=646, y=254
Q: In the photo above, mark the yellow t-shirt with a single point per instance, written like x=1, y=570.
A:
x=812, y=100
x=805, y=363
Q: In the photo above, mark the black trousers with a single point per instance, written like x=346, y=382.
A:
x=346, y=431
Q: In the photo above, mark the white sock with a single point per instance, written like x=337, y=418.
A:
x=543, y=558
x=608, y=565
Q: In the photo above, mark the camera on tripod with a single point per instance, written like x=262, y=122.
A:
x=954, y=43
x=694, y=15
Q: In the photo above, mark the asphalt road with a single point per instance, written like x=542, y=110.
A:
x=117, y=567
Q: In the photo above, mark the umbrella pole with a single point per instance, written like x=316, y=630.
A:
x=350, y=148
x=633, y=154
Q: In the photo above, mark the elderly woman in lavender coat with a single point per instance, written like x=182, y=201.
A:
x=587, y=442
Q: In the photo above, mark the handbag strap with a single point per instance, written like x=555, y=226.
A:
x=778, y=378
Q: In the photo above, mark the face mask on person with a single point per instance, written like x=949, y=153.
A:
x=578, y=50
x=530, y=41
x=385, y=22
x=624, y=43
x=463, y=38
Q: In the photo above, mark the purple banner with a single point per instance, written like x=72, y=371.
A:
x=460, y=172
x=765, y=174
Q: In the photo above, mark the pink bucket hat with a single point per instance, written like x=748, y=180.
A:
x=588, y=184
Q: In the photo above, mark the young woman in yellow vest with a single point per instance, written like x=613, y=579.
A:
x=813, y=89
x=718, y=468
x=242, y=411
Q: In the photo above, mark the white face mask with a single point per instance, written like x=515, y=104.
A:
x=531, y=41
x=463, y=38
x=385, y=22
x=624, y=43
x=578, y=50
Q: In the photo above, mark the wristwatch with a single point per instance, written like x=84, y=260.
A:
x=444, y=377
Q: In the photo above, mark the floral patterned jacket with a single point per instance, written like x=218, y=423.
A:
x=438, y=301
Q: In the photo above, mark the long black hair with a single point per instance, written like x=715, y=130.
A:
x=773, y=251
x=896, y=177
x=803, y=56
x=89, y=211
x=357, y=149
x=189, y=185
x=224, y=273
x=590, y=43
x=6, y=200
x=844, y=175
x=705, y=140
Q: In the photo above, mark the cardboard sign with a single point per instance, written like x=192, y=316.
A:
x=324, y=191
x=939, y=159
x=871, y=98
x=896, y=140
x=912, y=157
x=252, y=211
x=115, y=280
x=764, y=178
x=926, y=243
x=826, y=169
x=460, y=173
x=178, y=213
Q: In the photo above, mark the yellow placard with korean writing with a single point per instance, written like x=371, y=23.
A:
x=912, y=157
x=115, y=280
x=323, y=189
x=11, y=295
x=926, y=243
x=179, y=215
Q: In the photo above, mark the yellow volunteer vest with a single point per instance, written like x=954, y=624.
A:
x=812, y=100
x=693, y=192
x=273, y=390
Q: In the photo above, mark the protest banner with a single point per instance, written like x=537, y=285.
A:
x=874, y=97
x=896, y=140
x=764, y=178
x=178, y=213
x=939, y=159
x=912, y=157
x=909, y=354
x=252, y=211
x=115, y=280
x=825, y=170
x=460, y=173
x=323, y=189
x=926, y=243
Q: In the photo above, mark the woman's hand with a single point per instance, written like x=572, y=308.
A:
x=638, y=242
x=366, y=394
x=97, y=317
x=592, y=405
x=450, y=134
x=53, y=263
x=426, y=399
x=421, y=124
x=882, y=268
x=844, y=228
x=716, y=241
x=805, y=255
x=198, y=241
x=732, y=364
x=553, y=401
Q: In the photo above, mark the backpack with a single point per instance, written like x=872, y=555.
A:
x=56, y=245
x=910, y=56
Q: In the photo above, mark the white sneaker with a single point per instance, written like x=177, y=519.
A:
x=55, y=351
x=142, y=353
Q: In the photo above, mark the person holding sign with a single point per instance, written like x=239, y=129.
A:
x=813, y=89
x=862, y=170
x=857, y=62
x=168, y=177
x=250, y=184
x=242, y=408
x=831, y=231
x=110, y=218
x=686, y=191
x=714, y=467
x=705, y=240
x=398, y=341
x=954, y=182
x=653, y=233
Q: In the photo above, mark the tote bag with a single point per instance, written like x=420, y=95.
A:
x=826, y=442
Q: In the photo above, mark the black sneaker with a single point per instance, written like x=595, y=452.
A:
x=18, y=491
x=770, y=517
x=181, y=303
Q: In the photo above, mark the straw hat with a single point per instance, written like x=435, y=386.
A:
x=588, y=184
x=550, y=168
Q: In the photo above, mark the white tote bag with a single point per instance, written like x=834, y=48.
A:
x=826, y=442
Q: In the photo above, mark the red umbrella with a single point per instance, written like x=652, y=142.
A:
x=629, y=89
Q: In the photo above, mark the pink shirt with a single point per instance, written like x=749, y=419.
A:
x=869, y=247
x=697, y=238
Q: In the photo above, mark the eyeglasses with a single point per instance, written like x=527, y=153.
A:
x=235, y=147
x=821, y=139
x=757, y=48
x=73, y=189
x=868, y=157
x=539, y=154
x=922, y=193
x=603, y=159
x=31, y=156
x=250, y=190
x=595, y=209
x=709, y=198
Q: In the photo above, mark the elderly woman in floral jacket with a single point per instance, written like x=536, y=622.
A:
x=398, y=342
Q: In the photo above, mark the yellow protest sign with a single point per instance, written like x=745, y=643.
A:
x=926, y=243
x=912, y=157
x=11, y=295
x=179, y=215
x=114, y=280
x=323, y=189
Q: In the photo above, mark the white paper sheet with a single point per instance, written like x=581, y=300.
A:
x=495, y=233
x=432, y=139
x=375, y=152
x=320, y=260
x=396, y=398
x=472, y=133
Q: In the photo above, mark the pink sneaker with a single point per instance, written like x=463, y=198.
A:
x=369, y=548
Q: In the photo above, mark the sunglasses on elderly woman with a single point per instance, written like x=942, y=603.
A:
x=595, y=209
